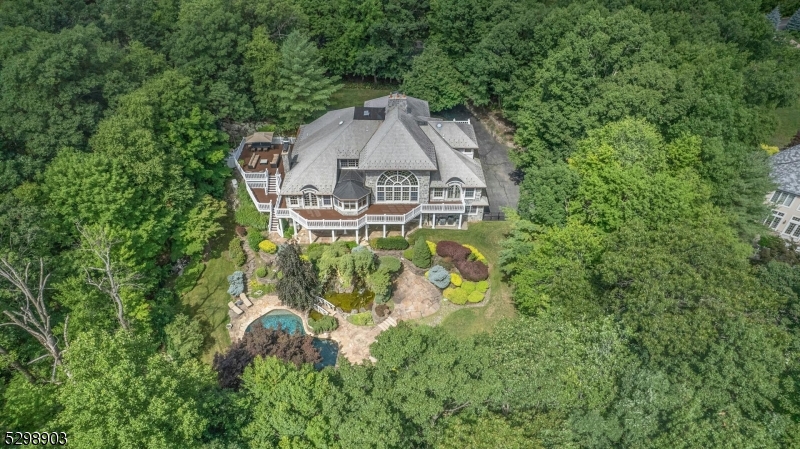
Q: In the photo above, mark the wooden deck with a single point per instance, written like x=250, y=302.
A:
x=374, y=209
x=263, y=197
x=263, y=155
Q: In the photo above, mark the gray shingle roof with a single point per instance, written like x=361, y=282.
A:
x=415, y=106
x=457, y=135
x=786, y=169
x=399, y=144
x=453, y=165
x=403, y=141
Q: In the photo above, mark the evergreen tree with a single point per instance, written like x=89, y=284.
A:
x=794, y=21
x=299, y=283
x=302, y=87
x=422, y=254
x=775, y=17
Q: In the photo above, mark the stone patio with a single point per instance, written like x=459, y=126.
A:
x=414, y=298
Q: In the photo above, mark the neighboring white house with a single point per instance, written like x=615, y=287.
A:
x=785, y=201
x=384, y=164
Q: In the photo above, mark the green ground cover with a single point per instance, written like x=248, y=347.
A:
x=207, y=302
x=487, y=237
x=788, y=123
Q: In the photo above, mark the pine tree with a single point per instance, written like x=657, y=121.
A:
x=422, y=254
x=302, y=87
x=794, y=22
x=775, y=17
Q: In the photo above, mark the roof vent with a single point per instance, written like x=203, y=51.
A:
x=341, y=122
x=366, y=112
x=438, y=125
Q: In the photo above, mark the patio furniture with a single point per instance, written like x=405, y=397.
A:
x=276, y=159
x=451, y=220
x=235, y=309
x=244, y=299
x=442, y=221
x=253, y=160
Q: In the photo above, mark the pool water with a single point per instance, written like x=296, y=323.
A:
x=291, y=323
x=280, y=319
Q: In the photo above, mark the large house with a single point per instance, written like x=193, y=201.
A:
x=785, y=201
x=386, y=164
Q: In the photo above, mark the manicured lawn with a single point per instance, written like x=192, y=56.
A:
x=788, y=123
x=465, y=321
x=208, y=300
x=355, y=94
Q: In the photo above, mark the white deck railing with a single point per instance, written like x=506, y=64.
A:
x=370, y=218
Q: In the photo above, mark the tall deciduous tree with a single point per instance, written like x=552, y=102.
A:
x=302, y=87
x=28, y=311
x=123, y=395
x=433, y=76
x=263, y=61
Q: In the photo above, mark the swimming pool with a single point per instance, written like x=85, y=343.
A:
x=291, y=323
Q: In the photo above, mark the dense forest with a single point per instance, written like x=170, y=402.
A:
x=650, y=313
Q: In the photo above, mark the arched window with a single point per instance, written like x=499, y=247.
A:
x=454, y=192
x=309, y=199
x=397, y=187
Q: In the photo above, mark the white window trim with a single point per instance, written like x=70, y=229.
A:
x=396, y=189
x=771, y=219
x=781, y=198
x=793, y=228
x=293, y=201
x=348, y=163
x=438, y=193
x=467, y=195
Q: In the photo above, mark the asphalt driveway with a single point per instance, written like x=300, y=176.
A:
x=497, y=167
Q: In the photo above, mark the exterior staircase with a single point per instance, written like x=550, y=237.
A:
x=273, y=222
x=387, y=323
x=272, y=185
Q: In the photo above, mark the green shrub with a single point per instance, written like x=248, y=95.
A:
x=191, y=274
x=349, y=244
x=314, y=251
x=389, y=243
x=267, y=246
x=236, y=283
x=390, y=264
x=253, y=238
x=261, y=271
x=268, y=128
x=431, y=246
x=455, y=279
x=361, y=319
x=236, y=253
x=482, y=286
x=380, y=282
x=422, y=254
x=324, y=324
x=439, y=276
x=247, y=214
x=468, y=286
x=475, y=296
x=288, y=232
x=475, y=254
x=408, y=254
x=456, y=295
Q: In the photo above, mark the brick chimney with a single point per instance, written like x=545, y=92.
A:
x=397, y=99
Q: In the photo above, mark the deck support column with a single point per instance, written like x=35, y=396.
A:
x=459, y=220
x=420, y=220
x=280, y=226
x=366, y=231
x=294, y=222
x=384, y=231
x=433, y=222
x=309, y=236
x=357, y=239
x=403, y=230
x=333, y=235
